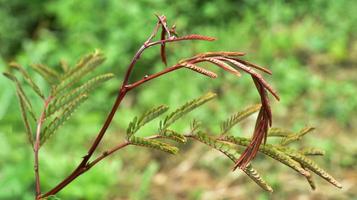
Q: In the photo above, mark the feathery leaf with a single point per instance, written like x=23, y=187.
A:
x=312, y=152
x=200, y=70
x=253, y=65
x=145, y=118
x=223, y=65
x=233, y=155
x=278, y=132
x=173, y=135
x=58, y=103
x=237, y=117
x=310, y=180
x=25, y=119
x=193, y=37
x=50, y=75
x=298, y=136
x=73, y=76
x=28, y=79
x=21, y=94
x=58, y=121
x=311, y=165
x=154, y=144
x=186, y=108
x=270, y=151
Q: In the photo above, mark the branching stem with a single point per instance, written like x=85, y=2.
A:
x=37, y=147
x=124, y=88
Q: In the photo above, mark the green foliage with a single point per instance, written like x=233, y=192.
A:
x=184, y=109
x=294, y=137
x=82, y=68
x=237, y=117
x=50, y=75
x=232, y=154
x=67, y=99
x=149, y=115
x=173, y=135
x=65, y=96
x=28, y=79
x=312, y=66
x=63, y=116
x=154, y=144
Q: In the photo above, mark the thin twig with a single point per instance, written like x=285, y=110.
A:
x=37, y=147
x=124, y=88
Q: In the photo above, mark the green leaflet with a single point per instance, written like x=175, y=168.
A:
x=81, y=69
x=298, y=136
x=145, y=118
x=312, y=152
x=186, y=108
x=50, y=75
x=311, y=165
x=271, y=151
x=237, y=117
x=310, y=180
x=195, y=126
x=53, y=126
x=28, y=79
x=81, y=63
x=22, y=95
x=256, y=177
x=233, y=155
x=154, y=144
x=66, y=99
x=131, y=128
x=25, y=119
x=173, y=135
x=278, y=132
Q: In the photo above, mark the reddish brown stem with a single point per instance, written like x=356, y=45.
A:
x=37, y=148
x=153, y=76
x=124, y=88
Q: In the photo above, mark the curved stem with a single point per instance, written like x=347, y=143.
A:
x=124, y=88
x=37, y=148
x=153, y=76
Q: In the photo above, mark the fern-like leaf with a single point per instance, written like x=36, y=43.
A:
x=58, y=121
x=28, y=79
x=200, y=70
x=310, y=180
x=50, y=75
x=21, y=95
x=311, y=165
x=186, y=108
x=312, y=152
x=256, y=177
x=173, y=135
x=73, y=76
x=154, y=144
x=148, y=116
x=295, y=137
x=278, y=132
x=233, y=155
x=25, y=119
x=151, y=114
x=270, y=151
x=237, y=117
x=58, y=103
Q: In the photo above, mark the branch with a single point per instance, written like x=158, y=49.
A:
x=37, y=147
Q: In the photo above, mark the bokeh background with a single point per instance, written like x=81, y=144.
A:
x=310, y=46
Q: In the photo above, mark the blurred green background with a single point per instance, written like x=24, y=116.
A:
x=310, y=46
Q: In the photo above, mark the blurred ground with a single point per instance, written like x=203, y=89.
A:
x=311, y=48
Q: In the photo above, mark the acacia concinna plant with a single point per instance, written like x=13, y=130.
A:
x=70, y=87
